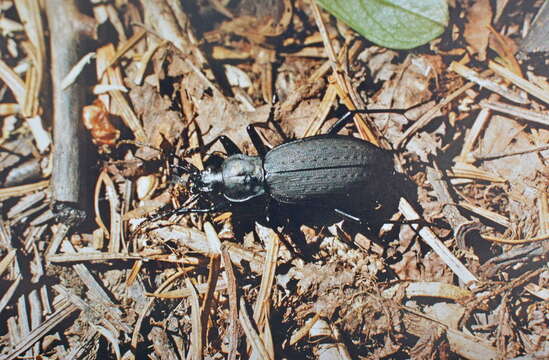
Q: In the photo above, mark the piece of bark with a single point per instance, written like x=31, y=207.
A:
x=536, y=40
x=69, y=31
x=25, y=172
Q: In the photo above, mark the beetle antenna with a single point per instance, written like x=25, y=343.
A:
x=137, y=143
x=167, y=213
x=379, y=111
x=185, y=167
x=183, y=211
x=163, y=214
x=348, y=117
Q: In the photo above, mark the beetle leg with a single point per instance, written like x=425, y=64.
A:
x=261, y=148
x=214, y=208
x=179, y=170
x=353, y=218
x=256, y=140
x=339, y=124
x=348, y=216
x=229, y=146
x=186, y=168
x=275, y=124
x=269, y=210
x=348, y=117
x=181, y=211
x=272, y=109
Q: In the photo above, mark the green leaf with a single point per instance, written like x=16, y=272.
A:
x=396, y=24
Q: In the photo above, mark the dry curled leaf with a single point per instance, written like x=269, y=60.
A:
x=96, y=119
x=477, y=32
x=506, y=49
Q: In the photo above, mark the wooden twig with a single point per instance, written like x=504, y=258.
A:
x=23, y=319
x=482, y=157
x=434, y=242
x=31, y=13
x=272, y=243
x=344, y=89
x=522, y=113
x=213, y=275
x=251, y=333
x=430, y=289
x=67, y=37
x=543, y=205
x=230, y=279
x=115, y=233
x=515, y=241
x=92, y=257
x=63, y=311
x=489, y=84
x=6, y=261
x=6, y=297
x=14, y=82
x=26, y=172
x=472, y=136
x=22, y=189
x=263, y=301
x=197, y=343
x=35, y=315
x=469, y=171
x=30, y=201
x=524, y=84
x=487, y=214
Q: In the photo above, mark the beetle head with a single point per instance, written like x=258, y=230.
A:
x=206, y=181
x=238, y=178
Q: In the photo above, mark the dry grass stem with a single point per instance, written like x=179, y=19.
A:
x=520, y=82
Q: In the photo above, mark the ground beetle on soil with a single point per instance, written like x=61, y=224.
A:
x=330, y=171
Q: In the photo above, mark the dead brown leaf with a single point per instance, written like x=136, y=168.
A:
x=158, y=119
x=477, y=33
x=506, y=49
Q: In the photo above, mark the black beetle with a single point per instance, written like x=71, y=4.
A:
x=330, y=171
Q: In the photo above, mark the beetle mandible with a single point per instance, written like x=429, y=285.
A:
x=331, y=171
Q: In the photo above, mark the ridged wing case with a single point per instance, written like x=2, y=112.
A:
x=330, y=170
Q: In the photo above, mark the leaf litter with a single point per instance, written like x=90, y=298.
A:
x=455, y=268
